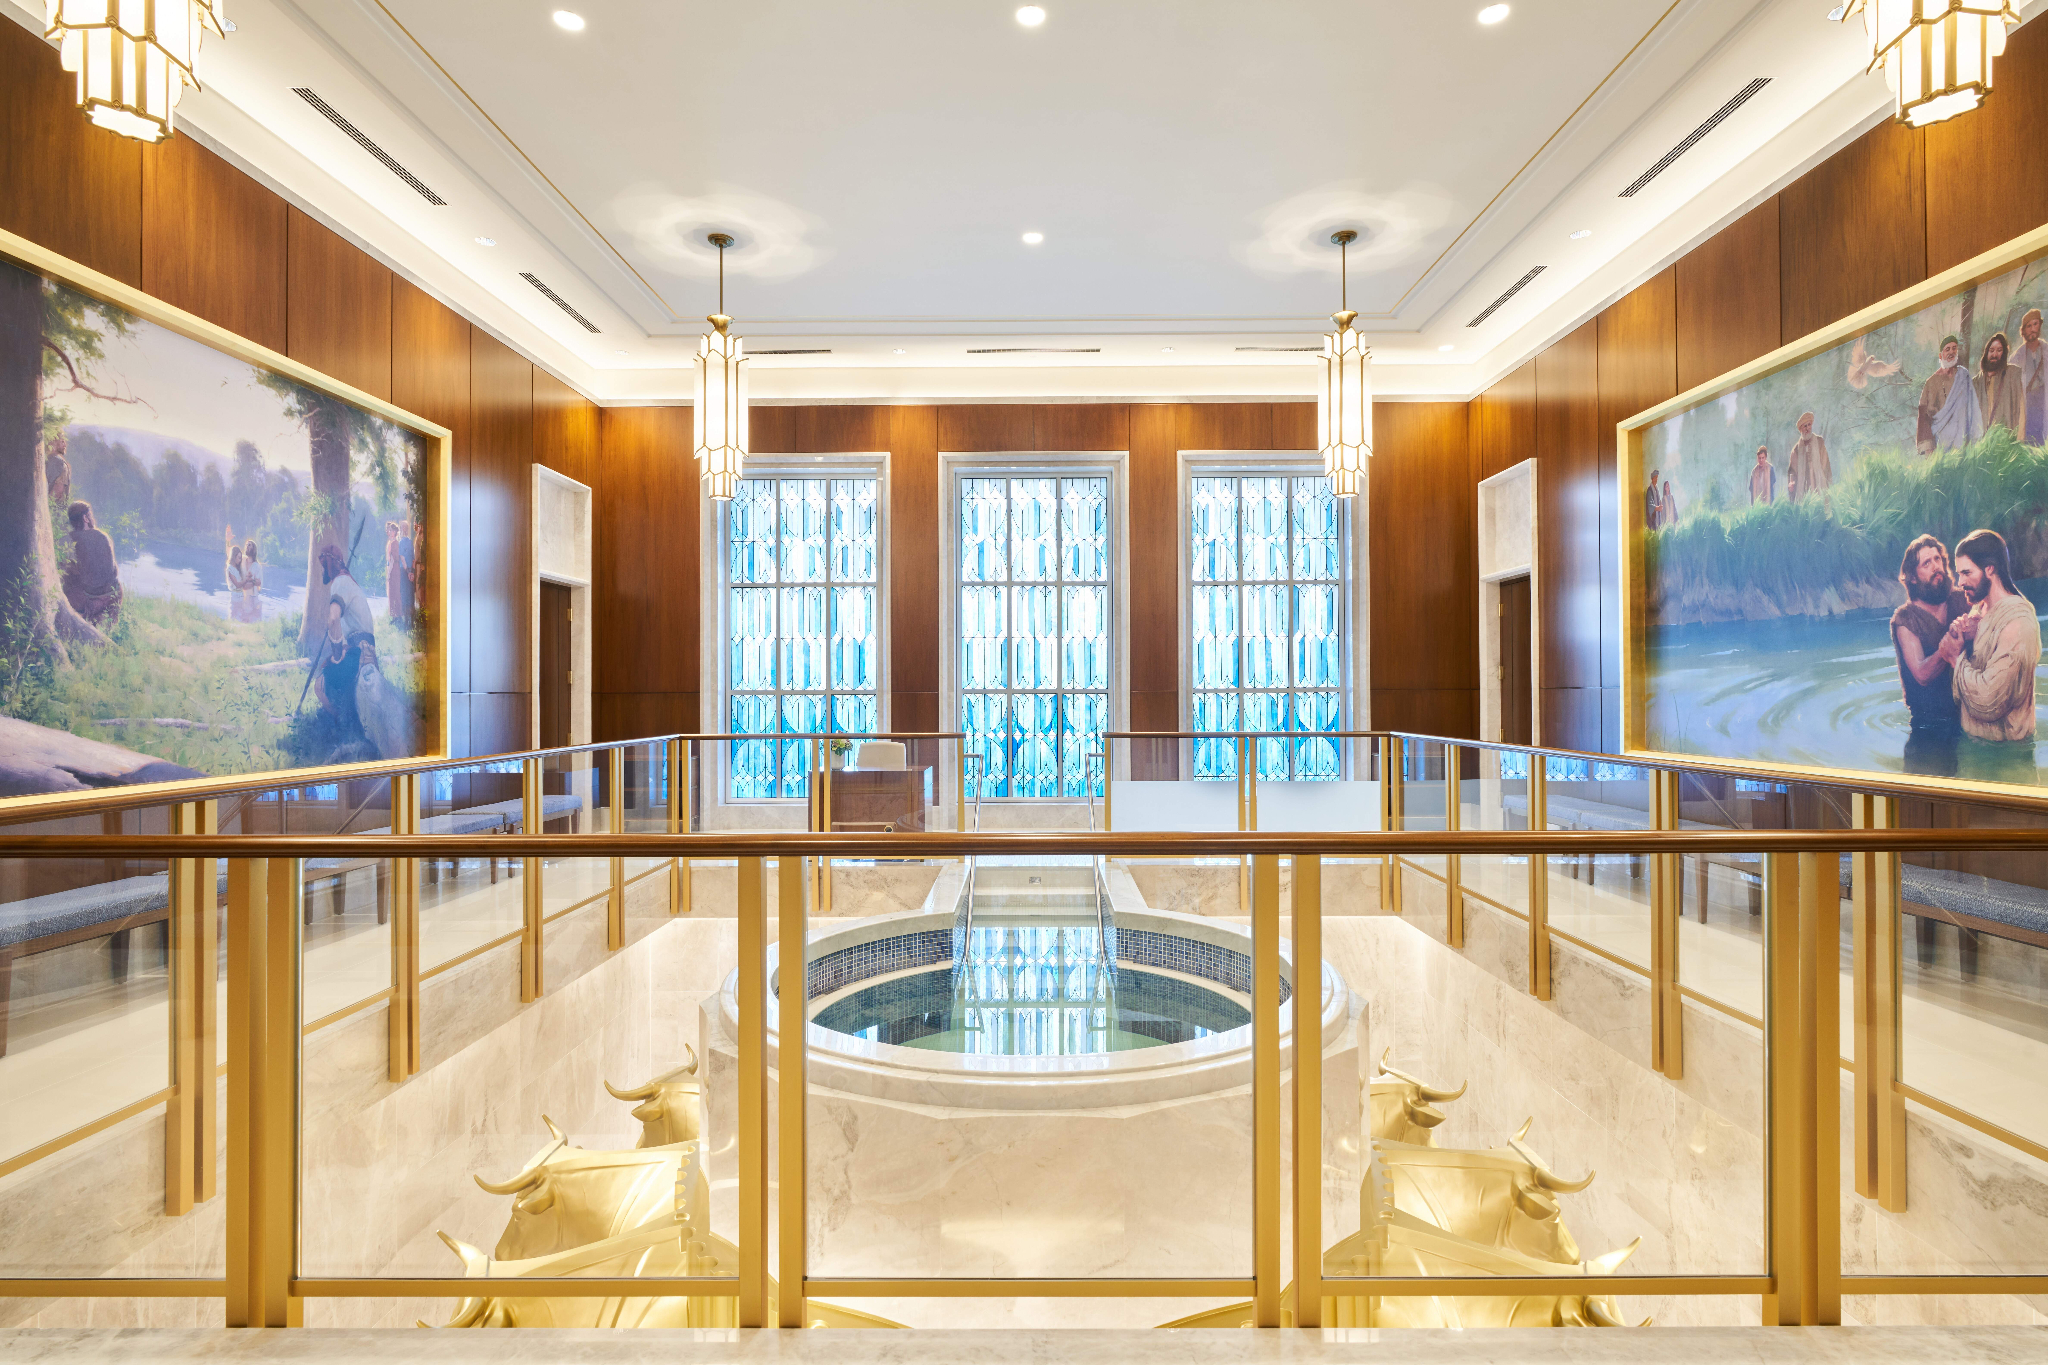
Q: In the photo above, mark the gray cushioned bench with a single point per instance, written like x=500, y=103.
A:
x=109, y=910
x=497, y=817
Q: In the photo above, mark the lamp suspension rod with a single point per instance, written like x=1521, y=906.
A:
x=721, y=240
x=1343, y=237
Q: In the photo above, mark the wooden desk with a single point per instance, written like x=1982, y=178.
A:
x=872, y=798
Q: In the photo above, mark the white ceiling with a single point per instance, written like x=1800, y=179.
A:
x=1186, y=161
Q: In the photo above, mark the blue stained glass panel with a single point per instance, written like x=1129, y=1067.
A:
x=1265, y=530
x=984, y=530
x=853, y=713
x=803, y=631
x=803, y=530
x=1033, y=523
x=753, y=638
x=1084, y=630
x=1034, y=764
x=1265, y=635
x=1034, y=637
x=753, y=531
x=1318, y=636
x=1215, y=712
x=1213, y=647
x=1212, y=531
x=985, y=717
x=1084, y=530
x=984, y=638
x=1318, y=552
x=853, y=530
x=853, y=639
x=1083, y=718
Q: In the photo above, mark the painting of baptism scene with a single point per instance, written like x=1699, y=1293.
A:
x=209, y=569
x=1845, y=562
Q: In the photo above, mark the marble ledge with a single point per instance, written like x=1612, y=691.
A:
x=1670, y=1346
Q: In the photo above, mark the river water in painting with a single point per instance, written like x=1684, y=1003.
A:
x=1815, y=691
x=183, y=574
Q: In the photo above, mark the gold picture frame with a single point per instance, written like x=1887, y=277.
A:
x=1630, y=437
x=436, y=462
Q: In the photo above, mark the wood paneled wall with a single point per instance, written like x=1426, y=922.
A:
x=1882, y=214
x=181, y=223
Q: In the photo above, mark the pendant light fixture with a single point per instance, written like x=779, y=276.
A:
x=1344, y=404
x=133, y=58
x=1936, y=54
x=721, y=416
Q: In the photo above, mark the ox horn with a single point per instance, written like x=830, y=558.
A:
x=1547, y=1178
x=636, y=1094
x=689, y=1068
x=1611, y=1262
x=1601, y=1314
x=475, y=1263
x=518, y=1184
x=1436, y=1095
x=553, y=1131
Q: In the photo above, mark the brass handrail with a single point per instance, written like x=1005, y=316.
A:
x=941, y=844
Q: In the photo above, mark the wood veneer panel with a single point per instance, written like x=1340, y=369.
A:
x=1424, y=550
x=1638, y=370
x=564, y=428
x=1294, y=426
x=914, y=550
x=340, y=307
x=972, y=427
x=64, y=184
x=914, y=712
x=213, y=241
x=1081, y=426
x=1451, y=712
x=1154, y=521
x=1568, y=527
x=500, y=516
x=1224, y=426
x=636, y=715
x=1983, y=186
x=430, y=378
x=850, y=428
x=1507, y=431
x=644, y=556
x=1571, y=718
x=1853, y=229
x=1727, y=291
x=499, y=722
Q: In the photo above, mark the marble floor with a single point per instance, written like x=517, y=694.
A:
x=1668, y=1346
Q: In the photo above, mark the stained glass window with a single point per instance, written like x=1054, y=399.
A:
x=1267, y=611
x=802, y=616
x=1034, y=631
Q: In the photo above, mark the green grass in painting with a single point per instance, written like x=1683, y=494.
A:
x=1823, y=554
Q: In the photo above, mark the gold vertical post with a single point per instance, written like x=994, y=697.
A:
x=960, y=787
x=1820, y=1035
x=791, y=1000
x=1268, y=1200
x=1801, y=1059
x=615, y=901
x=1454, y=866
x=1539, y=881
x=1667, y=1018
x=1244, y=864
x=206, y=993
x=1109, y=785
x=753, y=1096
x=1880, y=1111
x=672, y=764
x=404, y=1018
x=824, y=900
x=263, y=1091
x=1394, y=789
x=1308, y=1091
x=532, y=974
x=191, y=1072
x=1387, y=747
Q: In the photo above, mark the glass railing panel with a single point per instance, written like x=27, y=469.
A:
x=1973, y=955
x=1496, y=797
x=575, y=799
x=884, y=786
x=1600, y=899
x=644, y=800
x=466, y=903
x=1721, y=927
x=1425, y=787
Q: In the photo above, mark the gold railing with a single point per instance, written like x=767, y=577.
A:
x=264, y=1284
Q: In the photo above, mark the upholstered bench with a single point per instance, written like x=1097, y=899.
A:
x=109, y=910
x=497, y=817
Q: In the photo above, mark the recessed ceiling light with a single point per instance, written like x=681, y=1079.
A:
x=625, y=353
x=573, y=21
x=1031, y=16
x=1166, y=350
x=899, y=351
x=1446, y=348
x=1582, y=234
x=1033, y=238
x=487, y=241
x=1493, y=14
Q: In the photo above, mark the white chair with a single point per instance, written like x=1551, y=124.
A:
x=879, y=753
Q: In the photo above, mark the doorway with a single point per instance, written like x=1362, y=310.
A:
x=557, y=663
x=1516, y=722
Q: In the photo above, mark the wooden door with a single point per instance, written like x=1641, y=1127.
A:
x=1515, y=703
x=555, y=665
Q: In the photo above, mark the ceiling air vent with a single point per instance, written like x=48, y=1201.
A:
x=558, y=301
x=1742, y=97
x=1034, y=350
x=1276, y=348
x=796, y=350
x=1517, y=287
x=362, y=139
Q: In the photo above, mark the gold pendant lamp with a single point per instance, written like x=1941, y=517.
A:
x=721, y=414
x=1344, y=402
x=1936, y=54
x=133, y=58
